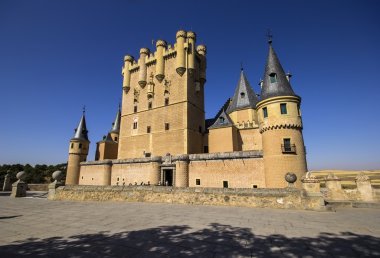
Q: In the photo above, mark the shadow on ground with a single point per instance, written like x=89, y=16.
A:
x=182, y=241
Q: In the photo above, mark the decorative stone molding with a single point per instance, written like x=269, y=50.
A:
x=145, y=50
x=180, y=33
x=191, y=35
x=280, y=126
x=202, y=50
x=128, y=58
x=161, y=43
x=362, y=177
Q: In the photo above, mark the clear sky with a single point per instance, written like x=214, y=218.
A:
x=56, y=56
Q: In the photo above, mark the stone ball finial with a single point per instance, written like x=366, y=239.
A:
x=57, y=175
x=161, y=43
x=144, y=50
x=180, y=33
x=21, y=175
x=128, y=58
x=290, y=177
x=191, y=35
x=202, y=50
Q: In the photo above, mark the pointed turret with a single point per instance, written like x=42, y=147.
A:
x=81, y=132
x=275, y=82
x=244, y=96
x=78, y=151
x=116, y=124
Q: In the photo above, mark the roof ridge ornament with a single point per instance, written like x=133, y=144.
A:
x=269, y=36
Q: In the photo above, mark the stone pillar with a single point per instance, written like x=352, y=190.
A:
x=334, y=187
x=57, y=176
x=19, y=187
x=311, y=184
x=7, y=182
x=363, y=184
x=182, y=171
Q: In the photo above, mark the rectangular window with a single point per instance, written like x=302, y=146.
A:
x=135, y=125
x=72, y=145
x=149, y=105
x=200, y=129
x=135, y=109
x=166, y=126
x=80, y=145
x=254, y=186
x=197, y=182
x=287, y=147
x=284, y=111
x=205, y=149
x=166, y=101
x=265, y=112
x=148, y=129
x=298, y=109
x=225, y=184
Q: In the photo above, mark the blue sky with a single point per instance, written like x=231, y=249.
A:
x=56, y=56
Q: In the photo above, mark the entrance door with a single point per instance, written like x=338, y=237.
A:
x=168, y=177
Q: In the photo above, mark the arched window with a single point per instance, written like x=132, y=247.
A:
x=221, y=120
x=242, y=95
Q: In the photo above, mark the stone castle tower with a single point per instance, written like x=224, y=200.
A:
x=163, y=100
x=78, y=151
x=280, y=125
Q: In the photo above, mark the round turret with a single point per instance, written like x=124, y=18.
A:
x=202, y=50
x=144, y=52
x=180, y=33
x=191, y=35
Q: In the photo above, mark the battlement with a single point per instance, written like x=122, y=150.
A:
x=184, y=51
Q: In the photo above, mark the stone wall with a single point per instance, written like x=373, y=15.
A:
x=38, y=187
x=288, y=198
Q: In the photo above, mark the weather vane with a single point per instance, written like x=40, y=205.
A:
x=84, y=109
x=269, y=36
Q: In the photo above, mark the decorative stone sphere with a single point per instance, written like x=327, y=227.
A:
x=57, y=175
x=290, y=177
x=21, y=175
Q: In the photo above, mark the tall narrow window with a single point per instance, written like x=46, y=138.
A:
x=166, y=101
x=284, y=111
x=273, y=77
x=200, y=129
x=149, y=105
x=166, y=126
x=197, y=182
x=287, y=145
x=135, y=109
x=80, y=145
x=265, y=112
x=148, y=129
x=298, y=109
x=72, y=145
x=134, y=125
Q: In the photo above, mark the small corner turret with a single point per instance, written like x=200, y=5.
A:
x=280, y=125
x=108, y=147
x=78, y=151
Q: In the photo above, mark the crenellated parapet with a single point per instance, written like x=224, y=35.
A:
x=186, y=55
x=280, y=126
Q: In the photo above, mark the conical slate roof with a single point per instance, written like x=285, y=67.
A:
x=244, y=96
x=107, y=138
x=81, y=132
x=222, y=121
x=116, y=124
x=275, y=82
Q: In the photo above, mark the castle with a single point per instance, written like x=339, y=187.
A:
x=160, y=135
